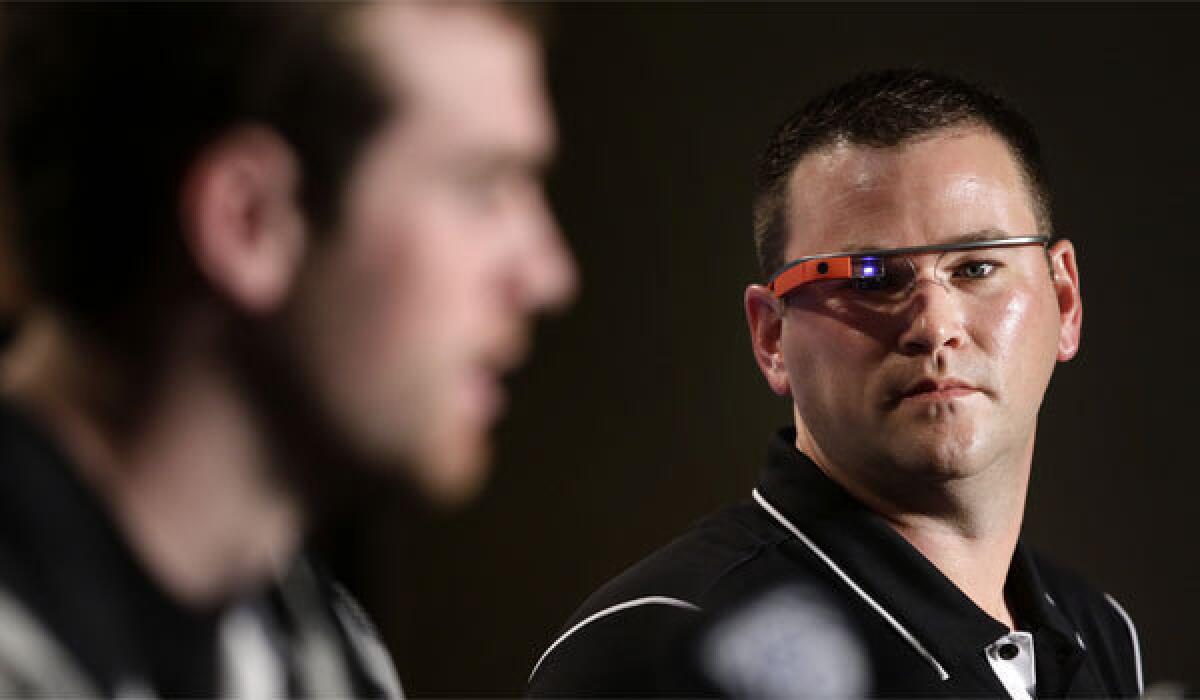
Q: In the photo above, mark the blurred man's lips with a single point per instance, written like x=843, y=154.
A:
x=487, y=393
x=487, y=370
x=488, y=379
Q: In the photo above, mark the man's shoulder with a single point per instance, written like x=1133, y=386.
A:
x=692, y=566
x=33, y=663
x=622, y=632
x=1077, y=597
x=1106, y=629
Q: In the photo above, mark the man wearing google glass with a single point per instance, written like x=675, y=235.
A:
x=914, y=306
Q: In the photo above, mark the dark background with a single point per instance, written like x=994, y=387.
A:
x=642, y=409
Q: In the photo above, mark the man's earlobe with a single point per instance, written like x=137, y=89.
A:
x=241, y=222
x=764, y=315
x=1068, y=293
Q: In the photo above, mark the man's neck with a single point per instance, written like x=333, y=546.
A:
x=966, y=527
x=977, y=564
x=184, y=469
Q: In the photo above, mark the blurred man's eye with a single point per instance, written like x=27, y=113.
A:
x=479, y=190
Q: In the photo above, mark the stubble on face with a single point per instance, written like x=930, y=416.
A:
x=849, y=372
x=423, y=297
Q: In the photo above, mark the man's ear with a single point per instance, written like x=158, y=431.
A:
x=240, y=218
x=1065, y=273
x=764, y=314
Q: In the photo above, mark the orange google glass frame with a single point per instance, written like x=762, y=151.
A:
x=870, y=264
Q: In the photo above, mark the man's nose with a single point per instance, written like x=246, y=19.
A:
x=554, y=279
x=933, y=321
x=547, y=278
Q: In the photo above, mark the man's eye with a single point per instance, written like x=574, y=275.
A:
x=974, y=270
x=478, y=191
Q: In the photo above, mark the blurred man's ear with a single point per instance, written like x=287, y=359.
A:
x=1070, y=299
x=765, y=317
x=241, y=221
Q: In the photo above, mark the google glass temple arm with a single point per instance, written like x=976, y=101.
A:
x=869, y=264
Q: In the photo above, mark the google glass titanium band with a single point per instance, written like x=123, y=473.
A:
x=870, y=264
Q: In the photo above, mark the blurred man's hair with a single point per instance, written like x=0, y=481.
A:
x=884, y=109
x=103, y=107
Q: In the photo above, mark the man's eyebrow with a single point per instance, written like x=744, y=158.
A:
x=983, y=234
x=503, y=162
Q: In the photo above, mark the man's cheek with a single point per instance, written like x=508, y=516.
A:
x=815, y=377
x=1022, y=334
x=1010, y=322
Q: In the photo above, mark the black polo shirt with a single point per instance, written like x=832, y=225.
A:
x=641, y=633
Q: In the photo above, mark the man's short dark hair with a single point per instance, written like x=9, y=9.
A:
x=103, y=108
x=883, y=109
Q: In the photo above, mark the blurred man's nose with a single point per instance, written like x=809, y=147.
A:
x=538, y=273
x=549, y=277
x=933, y=320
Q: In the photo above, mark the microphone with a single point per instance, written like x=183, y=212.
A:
x=791, y=640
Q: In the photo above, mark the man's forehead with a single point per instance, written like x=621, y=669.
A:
x=952, y=185
x=465, y=69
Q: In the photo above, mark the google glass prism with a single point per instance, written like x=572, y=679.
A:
x=883, y=270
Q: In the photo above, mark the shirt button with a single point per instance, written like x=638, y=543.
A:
x=1008, y=651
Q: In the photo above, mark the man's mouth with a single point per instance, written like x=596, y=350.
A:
x=936, y=390
x=488, y=393
x=489, y=372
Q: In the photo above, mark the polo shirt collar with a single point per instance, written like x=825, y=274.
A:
x=893, y=572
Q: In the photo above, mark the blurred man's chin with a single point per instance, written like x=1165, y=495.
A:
x=451, y=474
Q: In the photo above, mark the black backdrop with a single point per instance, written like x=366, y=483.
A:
x=642, y=409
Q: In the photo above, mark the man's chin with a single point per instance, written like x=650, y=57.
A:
x=939, y=458
x=452, y=474
x=441, y=474
x=937, y=449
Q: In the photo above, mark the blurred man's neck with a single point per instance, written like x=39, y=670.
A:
x=181, y=462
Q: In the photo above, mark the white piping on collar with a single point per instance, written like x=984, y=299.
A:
x=648, y=600
x=895, y=624
x=1133, y=636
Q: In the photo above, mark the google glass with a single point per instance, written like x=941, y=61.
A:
x=880, y=270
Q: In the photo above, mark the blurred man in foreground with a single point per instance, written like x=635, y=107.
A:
x=280, y=253
x=914, y=307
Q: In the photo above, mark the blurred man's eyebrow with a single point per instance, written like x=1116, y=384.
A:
x=502, y=162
